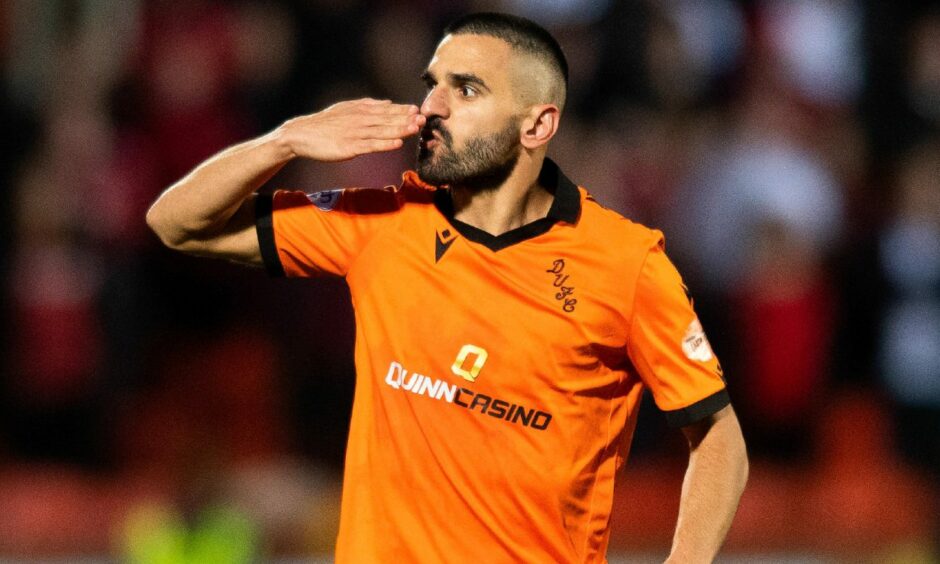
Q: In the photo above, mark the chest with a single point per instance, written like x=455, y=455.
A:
x=549, y=309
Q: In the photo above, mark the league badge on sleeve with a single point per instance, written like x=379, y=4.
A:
x=325, y=200
x=695, y=345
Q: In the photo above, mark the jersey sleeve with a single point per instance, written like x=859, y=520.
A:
x=668, y=347
x=303, y=235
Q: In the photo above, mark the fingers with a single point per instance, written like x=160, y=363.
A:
x=351, y=128
x=370, y=106
x=387, y=130
x=397, y=130
x=392, y=121
x=381, y=118
x=407, y=112
x=385, y=107
x=389, y=122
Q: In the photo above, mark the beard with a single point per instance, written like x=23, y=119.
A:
x=484, y=164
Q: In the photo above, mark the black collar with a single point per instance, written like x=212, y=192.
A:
x=565, y=207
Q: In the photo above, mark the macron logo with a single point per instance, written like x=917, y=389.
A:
x=442, y=242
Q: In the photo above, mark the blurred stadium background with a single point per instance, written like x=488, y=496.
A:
x=154, y=405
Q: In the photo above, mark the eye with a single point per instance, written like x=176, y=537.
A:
x=467, y=91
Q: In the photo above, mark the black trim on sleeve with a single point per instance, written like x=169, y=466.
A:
x=264, y=225
x=698, y=410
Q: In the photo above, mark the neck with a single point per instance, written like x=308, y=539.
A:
x=517, y=201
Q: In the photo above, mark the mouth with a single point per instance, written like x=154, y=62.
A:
x=429, y=138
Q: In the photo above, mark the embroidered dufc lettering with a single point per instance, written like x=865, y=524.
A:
x=565, y=291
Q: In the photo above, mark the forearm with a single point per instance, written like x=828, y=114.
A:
x=206, y=198
x=209, y=213
x=711, y=490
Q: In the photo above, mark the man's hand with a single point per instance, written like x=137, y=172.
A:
x=349, y=129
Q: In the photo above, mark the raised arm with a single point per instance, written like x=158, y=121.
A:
x=210, y=211
x=712, y=487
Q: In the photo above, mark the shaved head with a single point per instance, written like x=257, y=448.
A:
x=539, y=69
x=537, y=82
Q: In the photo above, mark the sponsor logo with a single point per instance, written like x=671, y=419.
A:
x=460, y=366
x=565, y=292
x=399, y=378
x=442, y=242
x=325, y=200
x=694, y=344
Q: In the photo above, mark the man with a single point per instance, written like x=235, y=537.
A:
x=507, y=325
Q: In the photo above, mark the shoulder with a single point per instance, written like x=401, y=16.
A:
x=611, y=229
x=362, y=201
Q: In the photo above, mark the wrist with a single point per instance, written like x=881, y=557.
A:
x=280, y=144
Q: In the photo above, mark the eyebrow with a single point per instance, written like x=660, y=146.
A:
x=457, y=77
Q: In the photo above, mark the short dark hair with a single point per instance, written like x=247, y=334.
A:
x=523, y=34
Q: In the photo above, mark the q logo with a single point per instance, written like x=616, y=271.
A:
x=464, y=357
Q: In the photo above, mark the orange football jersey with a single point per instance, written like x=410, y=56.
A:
x=498, y=377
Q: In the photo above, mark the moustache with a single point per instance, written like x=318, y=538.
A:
x=434, y=125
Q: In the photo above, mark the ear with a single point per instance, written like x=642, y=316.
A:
x=539, y=125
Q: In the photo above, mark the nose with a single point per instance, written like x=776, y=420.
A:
x=435, y=104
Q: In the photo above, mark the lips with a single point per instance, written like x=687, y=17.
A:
x=433, y=134
x=429, y=136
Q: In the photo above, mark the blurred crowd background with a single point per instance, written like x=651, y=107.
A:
x=156, y=404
